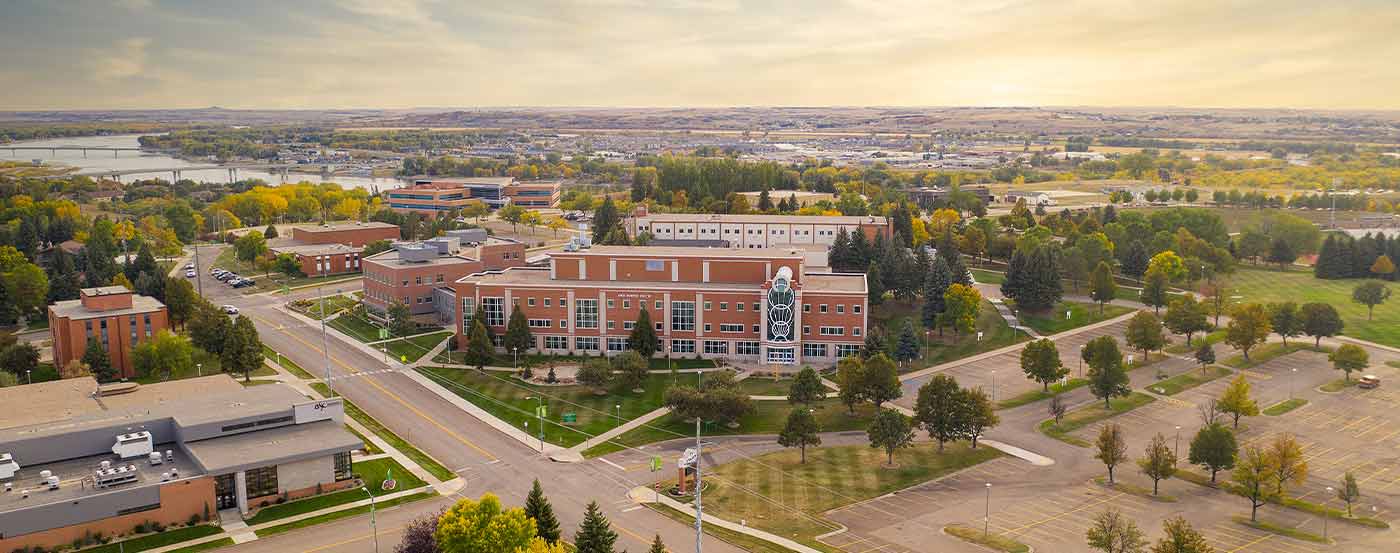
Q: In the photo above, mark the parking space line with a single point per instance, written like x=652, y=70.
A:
x=1355, y=422
x=1373, y=476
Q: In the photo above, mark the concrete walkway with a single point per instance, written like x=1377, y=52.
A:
x=644, y=495
x=1019, y=453
x=1010, y=348
x=1010, y=318
x=617, y=431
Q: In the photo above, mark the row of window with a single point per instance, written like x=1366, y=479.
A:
x=708, y=347
x=383, y=278
x=586, y=317
x=823, y=308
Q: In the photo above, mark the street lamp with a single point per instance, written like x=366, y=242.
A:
x=1293, y=377
x=1326, y=515
x=1081, y=360
x=516, y=351
x=1176, y=450
x=199, y=369
x=29, y=375
x=539, y=417
x=987, y=513
x=619, y=414
x=373, y=524
x=994, y=386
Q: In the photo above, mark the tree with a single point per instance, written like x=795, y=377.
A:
x=518, y=336
x=376, y=247
x=1154, y=289
x=891, y=431
x=1252, y=245
x=595, y=373
x=807, y=388
x=418, y=535
x=482, y=526
x=880, y=382
x=1319, y=320
x=512, y=214
x=1286, y=319
x=243, y=351
x=1236, y=402
x=875, y=284
x=1288, y=463
x=1253, y=474
x=631, y=369
x=537, y=507
x=1370, y=293
x=400, y=318
x=850, y=373
x=1205, y=355
x=1040, y=287
x=1282, y=253
x=1134, y=261
x=26, y=287
x=479, y=349
x=1114, y=533
x=270, y=232
x=97, y=361
x=249, y=246
x=161, y=354
x=1102, y=287
x=978, y=414
x=906, y=349
x=800, y=431
x=208, y=327
x=1181, y=538
x=1107, y=378
x=1057, y=407
x=1169, y=264
x=1248, y=327
x=1348, y=358
x=1348, y=491
x=1383, y=267
x=1112, y=448
x=1158, y=462
x=939, y=410
x=935, y=287
x=539, y=545
x=1214, y=449
x=19, y=358
x=1040, y=360
x=643, y=336
x=962, y=304
x=1145, y=333
x=595, y=533
x=717, y=399
x=1186, y=316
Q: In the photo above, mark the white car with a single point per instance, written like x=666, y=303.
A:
x=229, y=309
x=190, y=273
x=189, y=266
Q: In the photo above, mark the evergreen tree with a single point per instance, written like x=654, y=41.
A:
x=64, y=282
x=842, y=253
x=874, y=343
x=1329, y=263
x=518, y=336
x=765, y=202
x=800, y=431
x=97, y=361
x=643, y=336
x=657, y=546
x=1134, y=260
x=807, y=388
x=538, y=508
x=243, y=351
x=270, y=232
x=595, y=533
x=875, y=284
x=605, y=219
x=479, y=348
x=1282, y=253
x=1154, y=289
x=1017, y=278
x=907, y=348
x=935, y=285
x=958, y=269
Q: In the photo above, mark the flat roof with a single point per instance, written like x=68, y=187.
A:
x=316, y=249
x=45, y=401
x=779, y=219
x=392, y=256
x=72, y=472
x=74, y=309
x=331, y=227
x=272, y=446
x=105, y=291
x=683, y=251
x=499, y=181
x=539, y=278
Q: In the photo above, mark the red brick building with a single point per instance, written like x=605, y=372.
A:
x=755, y=305
x=116, y=317
x=410, y=272
x=318, y=259
x=754, y=231
x=350, y=234
x=432, y=195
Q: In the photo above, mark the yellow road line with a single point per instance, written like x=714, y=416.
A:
x=1355, y=422
x=1373, y=476
x=1086, y=506
x=1250, y=544
x=1387, y=436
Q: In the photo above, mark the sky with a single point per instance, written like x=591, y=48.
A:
x=77, y=54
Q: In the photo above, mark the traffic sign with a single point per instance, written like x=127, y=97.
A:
x=383, y=334
x=541, y=411
x=656, y=463
x=570, y=418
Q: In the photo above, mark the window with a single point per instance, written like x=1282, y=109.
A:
x=612, y=325
x=148, y=325
x=738, y=306
x=439, y=277
x=546, y=302
x=806, y=308
x=658, y=305
x=822, y=309
x=683, y=315
x=840, y=308
x=344, y=470
x=833, y=331
x=626, y=304
x=261, y=481
x=847, y=350
x=628, y=325
x=563, y=323
x=756, y=308
x=660, y=327
x=418, y=280
x=746, y=348
x=855, y=308
x=495, y=311
x=715, y=347
x=707, y=327
x=468, y=310
x=617, y=344
x=556, y=342
x=539, y=323
x=682, y=346
x=855, y=331
x=814, y=350
x=586, y=314
x=586, y=343
x=707, y=306
x=755, y=329
x=730, y=327
x=530, y=302
x=806, y=330
x=610, y=303
x=724, y=306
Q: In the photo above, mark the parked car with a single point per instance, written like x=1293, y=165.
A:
x=190, y=273
x=229, y=309
x=215, y=270
x=244, y=283
x=189, y=266
x=227, y=276
x=233, y=281
x=1369, y=381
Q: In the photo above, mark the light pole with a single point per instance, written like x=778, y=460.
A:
x=29, y=376
x=325, y=351
x=619, y=415
x=994, y=386
x=699, y=508
x=373, y=524
x=987, y=513
x=199, y=369
x=516, y=351
x=1292, y=379
x=539, y=417
x=1326, y=515
x=1333, y=193
x=198, y=271
x=1081, y=360
x=1176, y=449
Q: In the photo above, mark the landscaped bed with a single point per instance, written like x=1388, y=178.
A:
x=1090, y=414
x=768, y=418
x=1081, y=314
x=1189, y=379
x=373, y=474
x=890, y=316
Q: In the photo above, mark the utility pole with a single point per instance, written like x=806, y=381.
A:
x=699, y=509
x=325, y=352
x=198, y=274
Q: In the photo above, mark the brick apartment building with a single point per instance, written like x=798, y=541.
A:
x=349, y=234
x=318, y=259
x=116, y=317
x=753, y=231
x=430, y=195
x=772, y=306
x=332, y=248
x=413, y=273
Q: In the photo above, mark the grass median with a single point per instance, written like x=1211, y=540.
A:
x=1189, y=379
x=422, y=459
x=1269, y=352
x=1037, y=395
x=409, y=350
x=373, y=472
x=1090, y=414
x=768, y=418
x=737, y=539
x=995, y=542
x=1285, y=531
x=1284, y=406
x=356, y=511
x=1080, y=314
x=1288, y=502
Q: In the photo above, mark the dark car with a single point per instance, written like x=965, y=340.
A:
x=244, y=283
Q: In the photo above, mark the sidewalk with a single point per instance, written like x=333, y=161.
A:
x=644, y=495
x=617, y=431
x=1014, y=347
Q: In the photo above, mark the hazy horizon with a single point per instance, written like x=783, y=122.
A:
x=425, y=54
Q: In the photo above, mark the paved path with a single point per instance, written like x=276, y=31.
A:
x=616, y=431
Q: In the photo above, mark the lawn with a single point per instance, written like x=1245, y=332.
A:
x=312, y=307
x=1298, y=285
x=372, y=472
x=159, y=539
x=1284, y=406
x=411, y=349
x=1189, y=379
x=995, y=542
x=777, y=493
x=422, y=459
x=1182, y=347
x=1337, y=385
x=336, y=515
x=203, y=364
x=504, y=396
x=736, y=539
x=1037, y=395
x=889, y=317
x=541, y=361
x=286, y=363
x=764, y=386
x=768, y=418
x=1268, y=352
x=206, y=546
x=1081, y=314
x=362, y=329
x=1090, y=414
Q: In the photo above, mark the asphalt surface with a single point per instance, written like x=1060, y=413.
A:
x=488, y=460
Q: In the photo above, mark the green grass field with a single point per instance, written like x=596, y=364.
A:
x=1081, y=314
x=1187, y=380
x=1037, y=395
x=159, y=539
x=372, y=472
x=336, y=515
x=286, y=363
x=204, y=364
x=411, y=349
x=505, y=397
x=768, y=418
x=797, y=494
x=1263, y=285
x=428, y=463
x=541, y=362
x=334, y=304
x=764, y=386
x=889, y=317
x=1284, y=406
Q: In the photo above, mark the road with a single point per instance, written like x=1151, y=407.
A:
x=487, y=459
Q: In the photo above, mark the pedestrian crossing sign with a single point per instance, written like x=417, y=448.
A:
x=656, y=463
x=541, y=411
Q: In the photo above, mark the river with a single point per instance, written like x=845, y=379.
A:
x=123, y=161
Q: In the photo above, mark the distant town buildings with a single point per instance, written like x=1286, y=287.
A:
x=117, y=318
x=927, y=196
x=432, y=195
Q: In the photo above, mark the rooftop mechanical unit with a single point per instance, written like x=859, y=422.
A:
x=107, y=477
x=136, y=444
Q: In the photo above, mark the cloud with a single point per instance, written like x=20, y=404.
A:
x=125, y=59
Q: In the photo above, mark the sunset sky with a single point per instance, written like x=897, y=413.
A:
x=422, y=53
